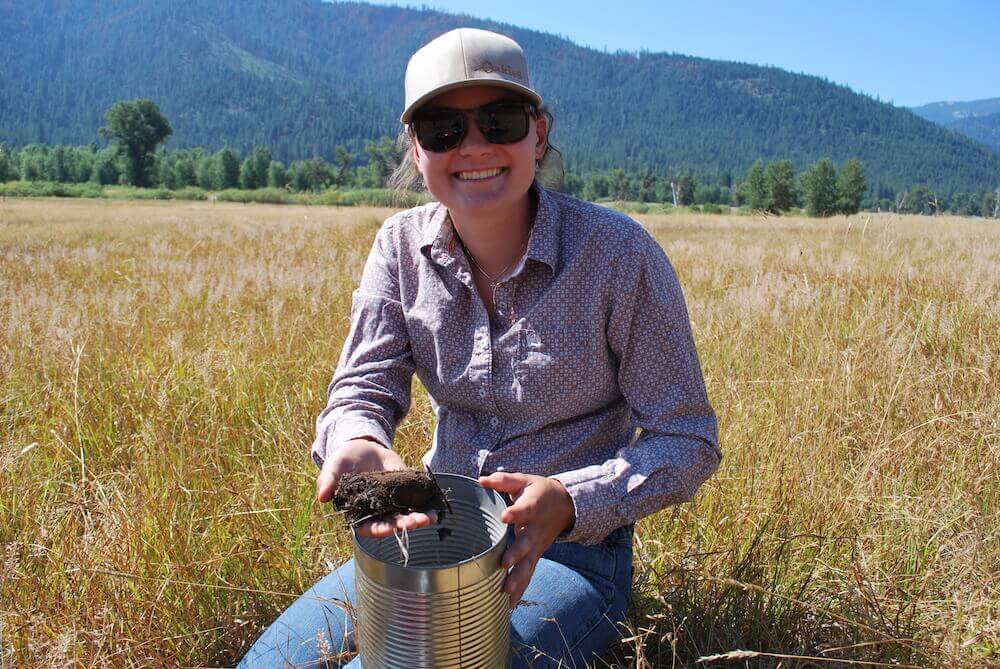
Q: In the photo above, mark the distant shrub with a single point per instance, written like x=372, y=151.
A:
x=190, y=193
x=694, y=209
x=261, y=195
x=50, y=189
x=133, y=193
x=711, y=208
x=366, y=197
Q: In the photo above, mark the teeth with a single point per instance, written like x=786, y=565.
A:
x=480, y=174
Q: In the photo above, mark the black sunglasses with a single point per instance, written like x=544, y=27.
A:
x=441, y=129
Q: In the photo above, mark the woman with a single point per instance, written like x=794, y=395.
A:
x=546, y=330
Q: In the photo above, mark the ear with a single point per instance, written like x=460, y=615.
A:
x=541, y=136
x=417, y=151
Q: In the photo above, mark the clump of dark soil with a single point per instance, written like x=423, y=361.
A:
x=381, y=495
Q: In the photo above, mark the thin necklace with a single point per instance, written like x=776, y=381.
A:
x=494, y=282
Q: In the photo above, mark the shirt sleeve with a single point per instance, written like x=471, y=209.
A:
x=660, y=378
x=370, y=391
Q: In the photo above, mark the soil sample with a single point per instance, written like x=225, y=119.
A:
x=382, y=495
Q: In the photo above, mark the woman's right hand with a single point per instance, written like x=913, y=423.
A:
x=365, y=455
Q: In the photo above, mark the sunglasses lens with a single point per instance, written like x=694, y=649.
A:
x=503, y=123
x=439, y=130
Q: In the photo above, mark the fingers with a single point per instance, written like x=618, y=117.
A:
x=512, y=484
x=521, y=512
x=326, y=484
x=518, y=579
x=522, y=548
x=380, y=529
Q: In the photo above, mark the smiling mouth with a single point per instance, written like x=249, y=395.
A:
x=480, y=175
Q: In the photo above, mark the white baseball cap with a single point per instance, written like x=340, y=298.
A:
x=466, y=57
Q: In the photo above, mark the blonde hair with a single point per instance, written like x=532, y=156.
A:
x=406, y=178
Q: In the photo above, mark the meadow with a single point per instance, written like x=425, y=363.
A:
x=162, y=363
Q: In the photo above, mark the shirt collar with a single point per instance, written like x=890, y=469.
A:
x=441, y=244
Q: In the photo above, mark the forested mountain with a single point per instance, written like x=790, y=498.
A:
x=977, y=119
x=303, y=76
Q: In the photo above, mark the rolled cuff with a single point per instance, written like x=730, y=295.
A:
x=587, y=487
x=343, y=430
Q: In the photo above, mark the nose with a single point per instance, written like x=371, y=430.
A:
x=474, y=144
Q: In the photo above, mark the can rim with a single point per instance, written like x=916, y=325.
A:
x=442, y=477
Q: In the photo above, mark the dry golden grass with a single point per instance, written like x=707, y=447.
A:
x=161, y=365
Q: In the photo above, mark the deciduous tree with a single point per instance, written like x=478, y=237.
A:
x=779, y=183
x=819, y=189
x=754, y=189
x=138, y=127
x=851, y=186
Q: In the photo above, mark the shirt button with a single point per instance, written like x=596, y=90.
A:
x=482, y=392
x=495, y=422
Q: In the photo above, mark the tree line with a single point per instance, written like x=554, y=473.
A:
x=138, y=130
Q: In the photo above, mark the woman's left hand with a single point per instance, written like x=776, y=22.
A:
x=541, y=511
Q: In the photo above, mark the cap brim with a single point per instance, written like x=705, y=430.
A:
x=455, y=85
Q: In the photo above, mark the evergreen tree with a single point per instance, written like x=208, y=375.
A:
x=229, y=168
x=779, y=180
x=255, y=168
x=383, y=157
x=618, y=184
x=8, y=164
x=686, y=186
x=344, y=159
x=754, y=189
x=645, y=186
x=851, y=186
x=138, y=127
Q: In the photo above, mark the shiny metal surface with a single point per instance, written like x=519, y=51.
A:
x=445, y=607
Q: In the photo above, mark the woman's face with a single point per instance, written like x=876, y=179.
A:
x=476, y=177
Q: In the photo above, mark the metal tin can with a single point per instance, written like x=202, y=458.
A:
x=445, y=606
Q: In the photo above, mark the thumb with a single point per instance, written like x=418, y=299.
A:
x=326, y=484
x=512, y=484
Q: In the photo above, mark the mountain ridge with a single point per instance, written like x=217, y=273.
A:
x=978, y=120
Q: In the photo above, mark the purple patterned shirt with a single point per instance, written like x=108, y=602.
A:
x=591, y=340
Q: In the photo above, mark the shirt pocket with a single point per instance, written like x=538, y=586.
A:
x=533, y=361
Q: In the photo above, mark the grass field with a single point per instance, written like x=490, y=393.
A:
x=161, y=365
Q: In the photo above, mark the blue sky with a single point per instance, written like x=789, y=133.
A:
x=907, y=53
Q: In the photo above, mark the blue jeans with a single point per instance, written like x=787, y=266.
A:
x=570, y=615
